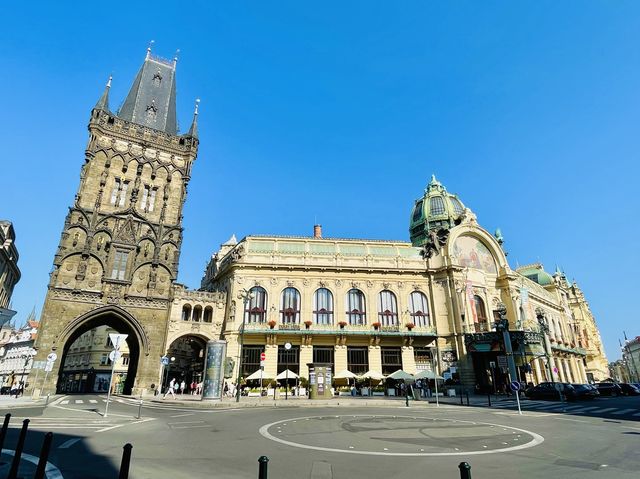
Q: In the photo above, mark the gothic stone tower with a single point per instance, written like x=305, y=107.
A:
x=117, y=260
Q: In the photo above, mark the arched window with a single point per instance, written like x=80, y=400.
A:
x=436, y=205
x=186, y=312
x=419, y=309
x=290, y=306
x=197, y=313
x=256, y=307
x=387, y=308
x=356, y=310
x=481, y=314
x=208, y=314
x=323, y=306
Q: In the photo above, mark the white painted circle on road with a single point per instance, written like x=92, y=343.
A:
x=536, y=439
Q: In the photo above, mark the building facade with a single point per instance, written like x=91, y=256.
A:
x=17, y=353
x=447, y=301
x=9, y=271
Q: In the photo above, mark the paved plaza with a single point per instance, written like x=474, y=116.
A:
x=344, y=439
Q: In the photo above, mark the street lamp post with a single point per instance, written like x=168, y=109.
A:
x=544, y=327
x=287, y=347
x=502, y=325
x=245, y=296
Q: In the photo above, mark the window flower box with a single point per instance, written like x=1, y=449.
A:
x=308, y=324
x=342, y=324
x=272, y=324
x=376, y=325
x=410, y=326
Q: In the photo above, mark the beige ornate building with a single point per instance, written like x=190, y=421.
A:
x=437, y=302
x=386, y=305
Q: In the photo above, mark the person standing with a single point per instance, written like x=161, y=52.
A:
x=182, y=386
x=172, y=384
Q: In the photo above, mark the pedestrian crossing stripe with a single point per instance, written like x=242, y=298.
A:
x=624, y=411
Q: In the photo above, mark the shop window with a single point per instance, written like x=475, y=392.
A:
x=251, y=359
x=391, y=360
x=289, y=359
x=358, y=360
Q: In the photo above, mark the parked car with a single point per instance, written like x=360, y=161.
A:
x=609, y=389
x=629, y=389
x=585, y=391
x=551, y=391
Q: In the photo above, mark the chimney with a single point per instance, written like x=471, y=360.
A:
x=317, y=231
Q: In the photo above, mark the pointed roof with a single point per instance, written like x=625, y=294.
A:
x=193, y=131
x=151, y=101
x=103, y=102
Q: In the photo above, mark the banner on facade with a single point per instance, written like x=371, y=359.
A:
x=214, y=370
x=472, y=301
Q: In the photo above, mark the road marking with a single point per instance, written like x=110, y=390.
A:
x=125, y=424
x=50, y=471
x=636, y=414
x=69, y=443
x=585, y=409
x=607, y=409
x=79, y=401
x=536, y=440
x=183, y=415
x=93, y=401
x=66, y=401
x=185, y=422
x=190, y=427
x=624, y=411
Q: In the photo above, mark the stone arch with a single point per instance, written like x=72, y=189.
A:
x=488, y=240
x=189, y=353
x=116, y=318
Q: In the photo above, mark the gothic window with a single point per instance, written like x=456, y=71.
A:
x=157, y=79
x=197, y=313
x=356, y=310
x=437, y=205
x=119, y=192
x=256, y=307
x=290, y=306
x=323, y=306
x=119, y=265
x=186, y=312
x=419, y=309
x=387, y=308
x=208, y=314
x=151, y=112
x=148, y=199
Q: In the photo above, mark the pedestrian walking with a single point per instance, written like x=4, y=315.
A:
x=193, y=387
x=172, y=384
x=182, y=386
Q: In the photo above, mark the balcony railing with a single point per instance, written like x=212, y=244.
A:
x=337, y=329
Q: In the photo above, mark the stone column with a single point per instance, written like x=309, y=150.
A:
x=375, y=358
x=271, y=360
x=536, y=369
x=306, y=356
x=408, y=360
x=560, y=368
x=340, y=358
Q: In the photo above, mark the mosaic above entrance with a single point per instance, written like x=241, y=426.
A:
x=472, y=253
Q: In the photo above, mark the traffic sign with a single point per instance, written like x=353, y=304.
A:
x=515, y=386
x=117, y=339
x=48, y=367
x=114, y=356
x=52, y=357
x=502, y=362
x=263, y=356
x=164, y=360
x=492, y=364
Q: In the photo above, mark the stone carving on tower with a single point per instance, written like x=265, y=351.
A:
x=120, y=244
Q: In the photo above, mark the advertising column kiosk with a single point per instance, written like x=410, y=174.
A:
x=320, y=376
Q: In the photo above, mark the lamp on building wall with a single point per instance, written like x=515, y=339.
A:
x=245, y=296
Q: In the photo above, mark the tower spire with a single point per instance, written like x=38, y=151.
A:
x=103, y=102
x=193, y=131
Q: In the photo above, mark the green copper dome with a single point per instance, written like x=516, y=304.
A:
x=535, y=272
x=437, y=209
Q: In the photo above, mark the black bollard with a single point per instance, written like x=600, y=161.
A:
x=465, y=470
x=126, y=461
x=3, y=432
x=467, y=393
x=44, y=455
x=263, y=461
x=489, y=398
x=13, y=473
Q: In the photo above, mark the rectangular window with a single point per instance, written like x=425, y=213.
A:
x=251, y=359
x=391, y=360
x=289, y=359
x=358, y=360
x=119, y=265
x=152, y=199
x=103, y=360
x=423, y=359
x=125, y=360
x=123, y=193
x=145, y=196
x=323, y=355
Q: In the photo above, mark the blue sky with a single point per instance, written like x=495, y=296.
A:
x=341, y=111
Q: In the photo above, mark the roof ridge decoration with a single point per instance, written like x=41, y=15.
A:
x=103, y=102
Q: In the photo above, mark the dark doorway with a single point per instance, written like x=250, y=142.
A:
x=186, y=361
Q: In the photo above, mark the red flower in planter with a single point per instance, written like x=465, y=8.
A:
x=272, y=324
x=342, y=324
x=410, y=326
x=308, y=324
x=376, y=325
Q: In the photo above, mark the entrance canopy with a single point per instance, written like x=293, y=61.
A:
x=344, y=374
x=400, y=375
x=427, y=375
x=287, y=373
x=256, y=375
